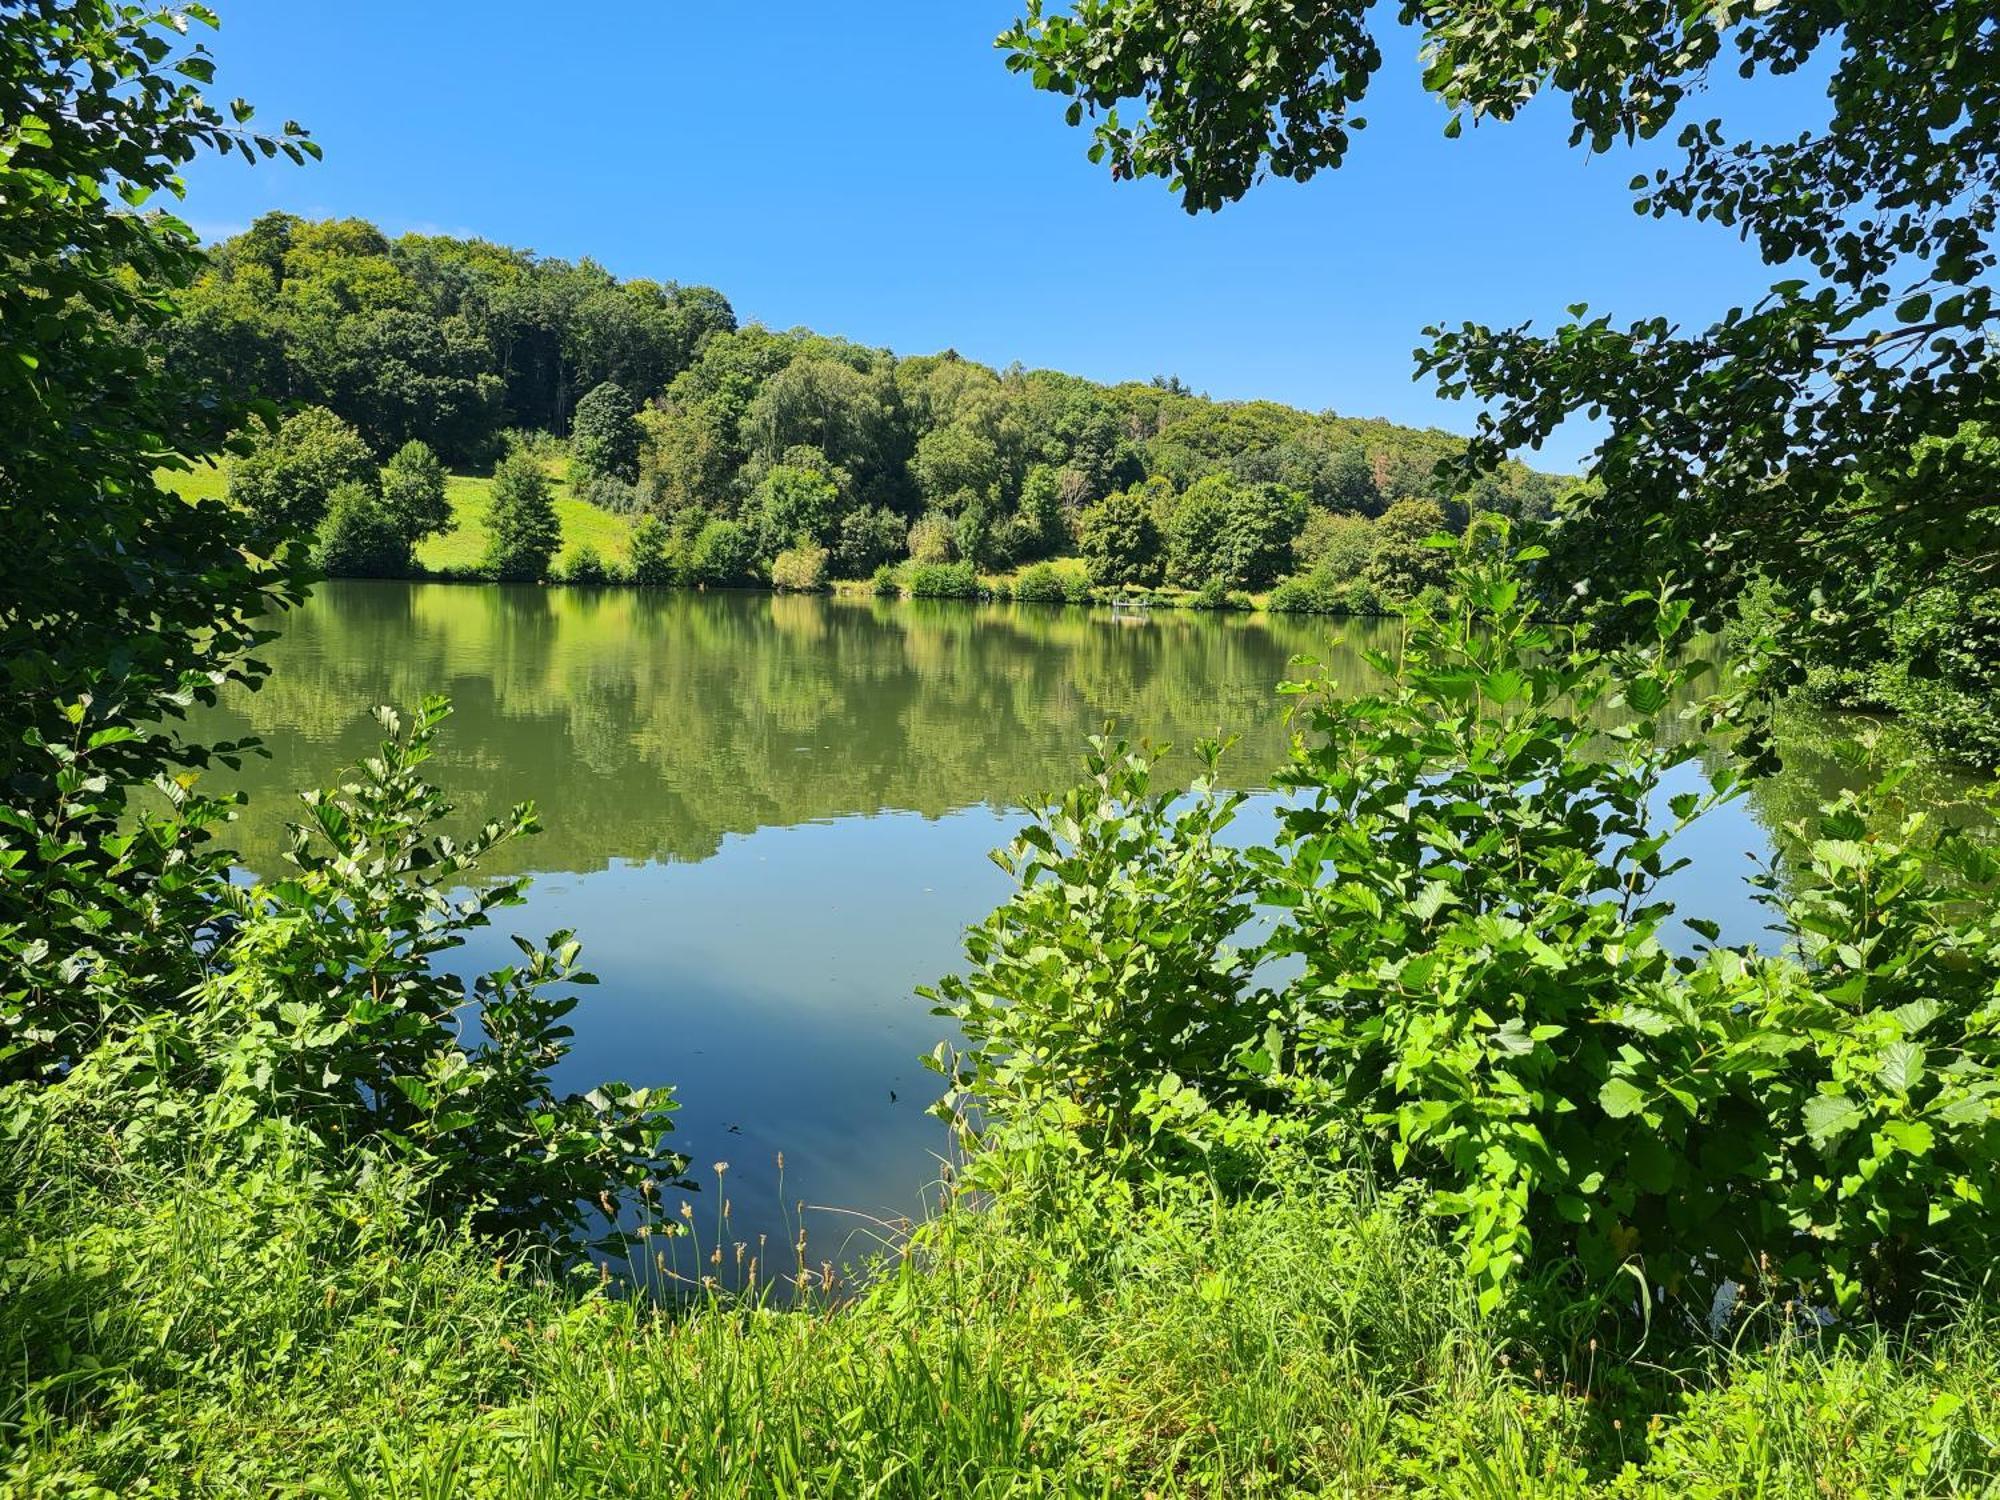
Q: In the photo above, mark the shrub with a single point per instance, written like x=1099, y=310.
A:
x=1106, y=1008
x=930, y=540
x=361, y=537
x=1306, y=594
x=325, y=1027
x=604, y=435
x=869, y=537
x=531, y=442
x=652, y=559
x=888, y=581
x=288, y=477
x=723, y=552
x=523, y=533
x=800, y=570
x=585, y=567
x=1216, y=595
x=1467, y=882
x=941, y=581
x=609, y=492
x=1040, y=584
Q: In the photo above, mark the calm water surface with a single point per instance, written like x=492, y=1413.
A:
x=768, y=819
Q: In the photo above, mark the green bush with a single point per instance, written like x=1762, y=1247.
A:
x=1040, y=584
x=1107, y=1006
x=361, y=537
x=799, y=570
x=941, y=581
x=523, y=532
x=723, y=552
x=1467, y=879
x=651, y=552
x=888, y=581
x=1320, y=593
x=1215, y=594
x=585, y=567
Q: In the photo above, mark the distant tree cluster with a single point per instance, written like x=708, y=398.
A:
x=745, y=448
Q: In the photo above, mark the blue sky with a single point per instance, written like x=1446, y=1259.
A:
x=877, y=173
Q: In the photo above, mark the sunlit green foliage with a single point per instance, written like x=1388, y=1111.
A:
x=522, y=532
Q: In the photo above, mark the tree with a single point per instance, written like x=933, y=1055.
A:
x=413, y=493
x=1263, y=519
x=955, y=460
x=651, y=553
x=1793, y=420
x=1403, y=564
x=523, y=533
x=122, y=604
x=361, y=537
x=604, y=437
x=1196, y=534
x=1119, y=539
x=797, y=502
x=289, y=474
x=869, y=538
x=1352, y=483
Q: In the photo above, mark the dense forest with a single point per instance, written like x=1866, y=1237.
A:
x=756, y=455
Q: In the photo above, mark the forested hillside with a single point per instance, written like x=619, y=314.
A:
x=790, y=456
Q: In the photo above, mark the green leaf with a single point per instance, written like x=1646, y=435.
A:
x=1902, y=1066
x=1620, y=1098
x=1828, y=1117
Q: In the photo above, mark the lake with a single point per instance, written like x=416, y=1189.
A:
x=767, y=818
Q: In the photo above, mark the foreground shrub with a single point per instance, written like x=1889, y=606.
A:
x=941, y=581
x=1467, y=886
x=888, y=581
x=326, y=1016
x=1105, y=1008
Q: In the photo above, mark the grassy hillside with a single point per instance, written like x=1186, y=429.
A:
x=461, y=548
x=582, y=524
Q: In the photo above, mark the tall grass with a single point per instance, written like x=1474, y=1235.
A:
x=281, y=1332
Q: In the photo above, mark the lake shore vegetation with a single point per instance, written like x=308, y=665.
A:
x=1421, y=1149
